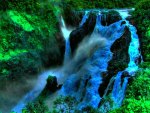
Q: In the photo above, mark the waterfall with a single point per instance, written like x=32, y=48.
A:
x=66, y=32
x=41, y=82
x=34, y=93
x=82, y=76
x=85, y=17
x=97, y=63
x=134, y=54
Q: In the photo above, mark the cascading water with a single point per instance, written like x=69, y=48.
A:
x=85, y=17
x=90, y=61
x=134, y=53
x=41, y=82
x=91, y=71
x=66, y=32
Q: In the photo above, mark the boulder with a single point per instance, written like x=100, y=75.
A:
x=80, y=33
x=110, y=17
x=51, y=86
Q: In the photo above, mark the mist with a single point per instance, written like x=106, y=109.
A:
x=84, y=51
x=11, y=91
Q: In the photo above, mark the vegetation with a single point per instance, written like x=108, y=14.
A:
x=64, y=104
x=68, y=105
x=88, y=4
x=141, y=16
x=36, y=107
x=30, y=37
x=138, y=94
x=28, y=42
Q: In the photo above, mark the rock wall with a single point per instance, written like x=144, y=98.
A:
x=119, y=60
x=80, y=33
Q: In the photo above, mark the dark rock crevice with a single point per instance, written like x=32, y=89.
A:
x=110, y=17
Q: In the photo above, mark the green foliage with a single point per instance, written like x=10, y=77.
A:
x=27, y=35
x=36, y=107
x=68, y=105
x=17, y=18
x=141, y=16
x=88, y=4
x=138, y=94
x=145, y=65
x=90, y=109
x=134, y=106
x=140, y=87
x=64, y=104
x=5, y=56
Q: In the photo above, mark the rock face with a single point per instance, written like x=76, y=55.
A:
x=80, y=33
x=119, y=60
x=51, y=83
x=110, y=17
x=51, y=86
x=72, y=18
x=61, y=44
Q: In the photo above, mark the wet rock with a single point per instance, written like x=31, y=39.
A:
x=120, y=57
x=119, y=60
x=124, y=22
x=72, y=18
x=51, y=86
x=124, y=75
x=110, y=17
x=80, y=33
x=61, y=44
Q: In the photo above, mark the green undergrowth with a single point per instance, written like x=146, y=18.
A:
x=137, y=98
x=27, y=37
x=11, y=53
x=141, y=17
x=87, y=4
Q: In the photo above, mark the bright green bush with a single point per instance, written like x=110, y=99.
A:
x=140, y=87
x=134, y=106
x=137, y=95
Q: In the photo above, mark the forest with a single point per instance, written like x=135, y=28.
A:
x=74, y=56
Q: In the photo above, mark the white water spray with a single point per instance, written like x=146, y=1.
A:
x=66, y=32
